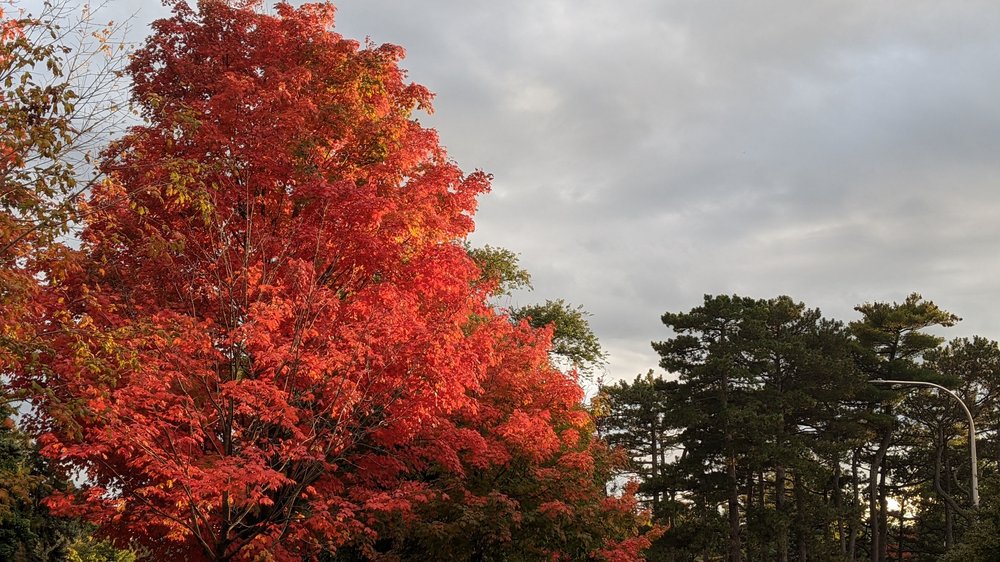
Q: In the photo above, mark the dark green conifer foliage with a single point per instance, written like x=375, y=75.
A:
x=754, y=433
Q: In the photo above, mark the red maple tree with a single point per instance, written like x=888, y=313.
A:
x=515, y=474
x=271, y=288
x=272, y=328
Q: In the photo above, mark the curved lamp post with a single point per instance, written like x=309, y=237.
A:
x=972, y=430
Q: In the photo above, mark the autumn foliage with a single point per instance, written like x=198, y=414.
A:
x=15, y=275
x=44, y=134
x=272, y=343
x=528, y=480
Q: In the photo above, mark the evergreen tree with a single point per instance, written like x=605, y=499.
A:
x=893, y=341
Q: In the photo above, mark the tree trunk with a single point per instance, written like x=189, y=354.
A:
x=760, y=489
x=763, y=546
x=945, y=494
x=838, y=505
x=801, y=532
x=873, y=510
x=854, y=522
x=902, y=529
x=735, y=550
x=747, y=510
x=874, y=497
x=949, y=528
x=949, y=522
x=653, y=466
x=883, y=515
x=779, y=505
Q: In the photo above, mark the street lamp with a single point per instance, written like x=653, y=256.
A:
x=972, y=430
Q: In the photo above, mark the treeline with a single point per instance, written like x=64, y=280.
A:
x=771, y=443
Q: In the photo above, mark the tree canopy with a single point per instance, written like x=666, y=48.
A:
x=771, y=444
x=273, y=341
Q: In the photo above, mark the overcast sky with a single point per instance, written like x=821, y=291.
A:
x=648, y=152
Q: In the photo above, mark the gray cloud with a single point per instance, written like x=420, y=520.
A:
x=646, y=153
